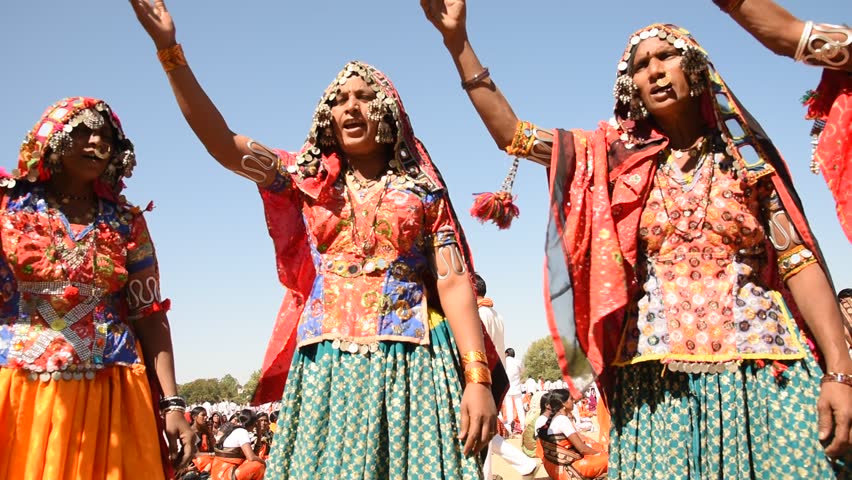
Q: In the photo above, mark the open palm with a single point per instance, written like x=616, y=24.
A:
x=156, y=20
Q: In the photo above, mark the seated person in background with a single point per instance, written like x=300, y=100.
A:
x=235, y=459
x=566, y=454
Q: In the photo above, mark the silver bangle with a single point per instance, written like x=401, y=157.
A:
x=803, y=40
x=831, y=53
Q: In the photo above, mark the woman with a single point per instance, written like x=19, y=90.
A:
x=215, y=424
x=566, y=454
x=538, y=409
x=687, y=265
x=81, y=310
x=365, y=236
x=206, y=439
x=263, y=436
x=819, y=45
x=235, y=459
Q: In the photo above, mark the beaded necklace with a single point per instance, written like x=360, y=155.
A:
x=701, y=212
x=367, y=244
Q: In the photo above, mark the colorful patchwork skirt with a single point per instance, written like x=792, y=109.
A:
x=748, y=424
x=103, y=428
x=394, y=413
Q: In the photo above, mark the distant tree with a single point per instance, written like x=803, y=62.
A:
x=540, y=360
x=250, y=387
x=201, y=390
x=229, y=388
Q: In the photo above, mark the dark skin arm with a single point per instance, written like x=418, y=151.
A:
x=233, y=151
x=450, y=17
x=776, y=28
x=478, y=412
x=816, y=301
x=156, y=339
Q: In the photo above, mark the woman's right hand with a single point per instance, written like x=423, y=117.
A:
x=156, y=20
x=449, y=17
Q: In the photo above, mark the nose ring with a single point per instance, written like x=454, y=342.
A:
x=665, y=81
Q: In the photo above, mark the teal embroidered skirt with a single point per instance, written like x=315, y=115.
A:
x=392, y=414
x=745, y=424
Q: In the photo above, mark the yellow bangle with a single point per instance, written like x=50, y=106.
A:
x=474, y=356
x=478, y=375
x=172, y=57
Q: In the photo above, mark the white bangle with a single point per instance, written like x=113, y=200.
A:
x=803, y=41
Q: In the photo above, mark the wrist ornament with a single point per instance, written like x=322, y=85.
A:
x=474, y=356
x=834, y=377
x=472, y=81
x=171, y=404
x=171, y=57
x=479, y=375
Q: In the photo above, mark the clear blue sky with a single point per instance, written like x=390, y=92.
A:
x=265, y=63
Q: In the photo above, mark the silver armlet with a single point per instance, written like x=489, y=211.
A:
x=257, y=167
x=454, y=265
x=817, y=47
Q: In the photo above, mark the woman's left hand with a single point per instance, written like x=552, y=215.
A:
x=835, y=418
x=179, y=434
x=478, y=418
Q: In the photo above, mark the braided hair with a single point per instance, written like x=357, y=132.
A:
x=555, y=401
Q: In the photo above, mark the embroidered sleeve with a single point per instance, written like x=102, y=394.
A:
x=532, y=143
x=793, y=255
x=143, y=282
x=439, y=221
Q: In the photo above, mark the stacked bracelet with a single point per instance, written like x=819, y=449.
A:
x=172, y=57
x=173, y=403
x=477, y=375
x=470, y=83
x=843, y=378
x=474, y=356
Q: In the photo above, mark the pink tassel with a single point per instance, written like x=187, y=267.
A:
x=495, y=207
x=498, y=207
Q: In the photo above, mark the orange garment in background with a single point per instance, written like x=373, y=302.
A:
x=203, y=462
x=75, y=425
x=585, y=467
x=225, y=468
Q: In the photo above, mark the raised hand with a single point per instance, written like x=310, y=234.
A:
x=155, y=18
x=448, y=16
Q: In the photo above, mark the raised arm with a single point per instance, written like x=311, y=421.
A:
x=235, y=152
x=450, y=18
x=777, y=29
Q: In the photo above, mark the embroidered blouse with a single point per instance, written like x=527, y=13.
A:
x=69, y=292
x=702, y=298
x=371, y=248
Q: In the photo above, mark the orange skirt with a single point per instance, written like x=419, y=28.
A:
x=102, y=428
x=236, y=468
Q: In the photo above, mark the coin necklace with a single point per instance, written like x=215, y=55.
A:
x=662, y=186
x=367, y=245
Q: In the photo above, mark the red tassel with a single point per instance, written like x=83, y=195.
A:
x=495, y=207
x=778, y=369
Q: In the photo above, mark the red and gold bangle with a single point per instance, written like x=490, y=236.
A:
x=474, y=356
x=843, y=378
x=478, y=375
x=523, y=140
x=794, y=260
x=172, y=57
